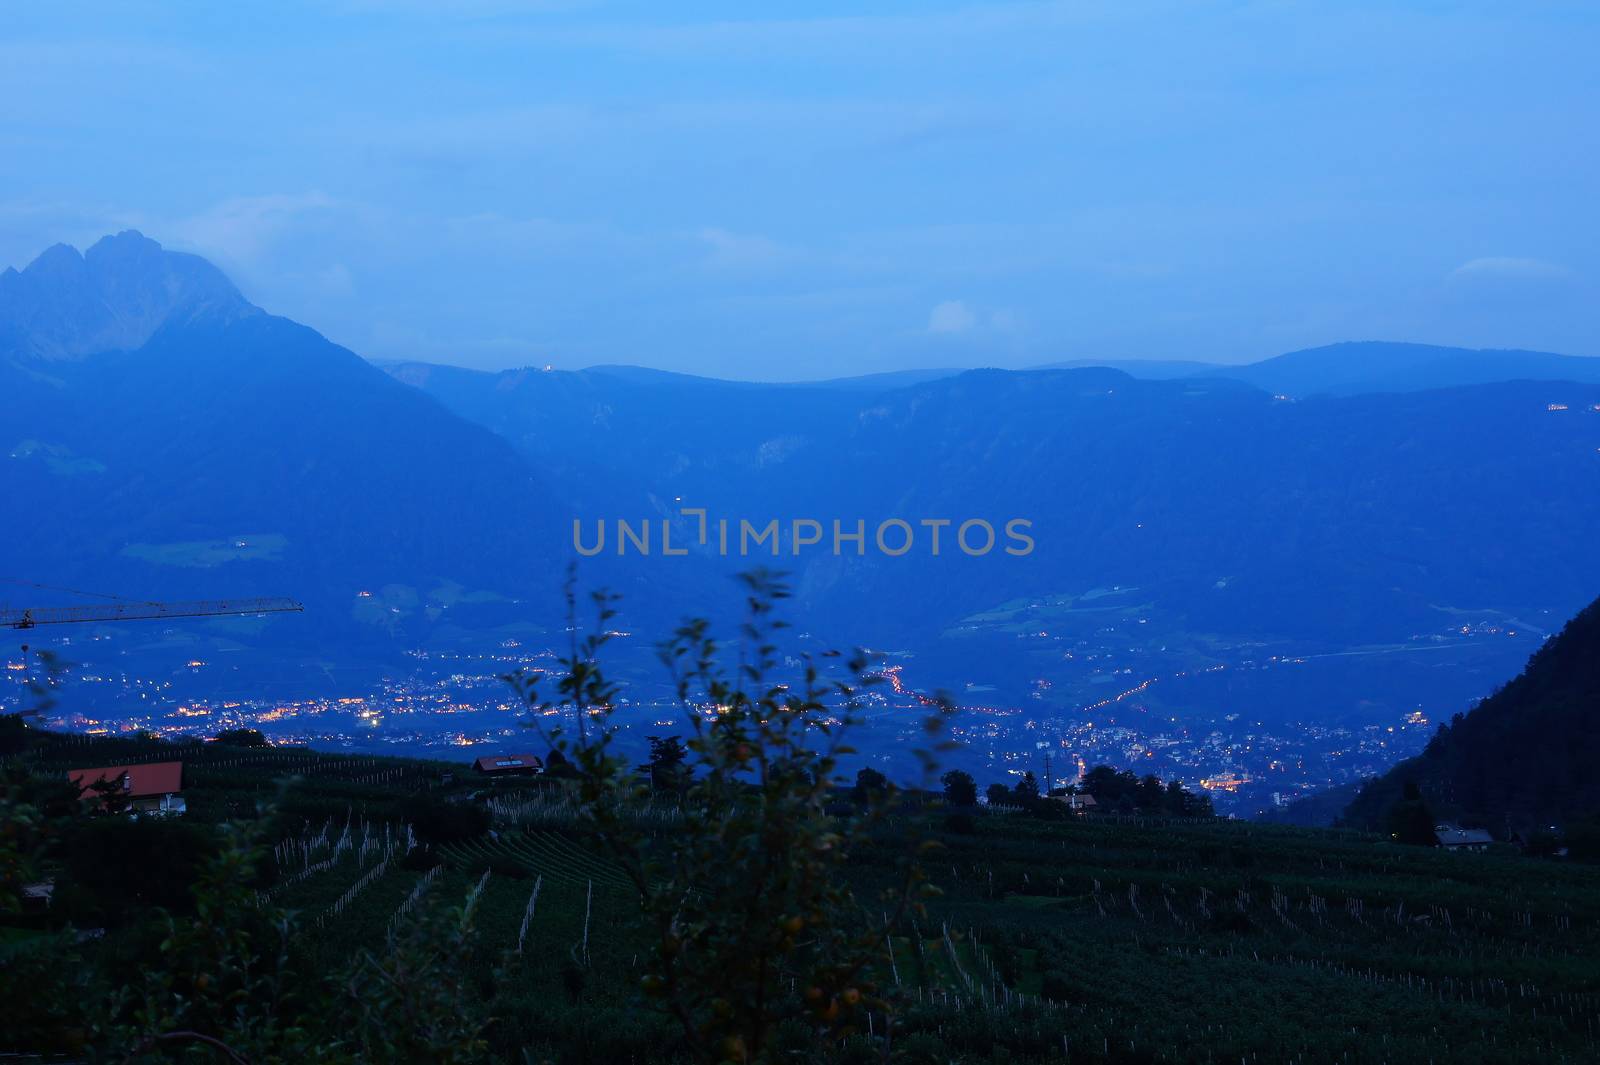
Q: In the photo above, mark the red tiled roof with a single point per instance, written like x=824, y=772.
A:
x=151, y=778
x=491, y=762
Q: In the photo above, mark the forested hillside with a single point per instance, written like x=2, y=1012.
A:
x=1522, y=760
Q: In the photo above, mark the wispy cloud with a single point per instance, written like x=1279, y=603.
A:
x=456, y=9
x=242, y=228
x=766, y=186
x=755, y=38
x=1510, y=267
x=951, y=316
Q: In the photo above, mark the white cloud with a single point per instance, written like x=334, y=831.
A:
x=242, y=228
x=741, y=251
x=29, y=226
x=1507, y=266
x=951, y=316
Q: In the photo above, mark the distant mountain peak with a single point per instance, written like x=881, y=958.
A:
x=128, y=243
x=68, y=304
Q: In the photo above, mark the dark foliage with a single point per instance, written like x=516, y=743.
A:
x=437, y=821
x=667, y=770
x=869, y=783
x=558, y=766
x=116, y=867
x=13, y=733
x=1582, y=839
x=241, y=737
x=959, y=788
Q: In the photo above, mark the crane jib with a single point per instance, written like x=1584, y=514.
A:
x=69, y=615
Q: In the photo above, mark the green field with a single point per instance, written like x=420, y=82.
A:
x=204, y=554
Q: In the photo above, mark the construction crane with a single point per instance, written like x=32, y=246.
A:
x=127, y=610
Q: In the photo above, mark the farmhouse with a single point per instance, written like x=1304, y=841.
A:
x=511, y=765
x=1079, y=802
x=153, y=788
x=36, y=897
x=1455, y=838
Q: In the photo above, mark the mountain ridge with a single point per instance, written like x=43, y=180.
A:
x=1341, y=369
x=1353, y=367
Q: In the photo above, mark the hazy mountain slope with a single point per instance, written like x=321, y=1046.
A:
x=1349, y=516
x=259, y=431
x=871, y=382
x=650, y=429
x=1145, y=369
x=1361, y=519
x=1371, y=366
x=886, y=381
x=1522, y=759
x=237, y=453
x=1338, y=369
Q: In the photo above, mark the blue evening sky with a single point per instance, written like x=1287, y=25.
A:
x=785, y=190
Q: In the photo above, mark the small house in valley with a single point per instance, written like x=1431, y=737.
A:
x=509, y=765
x=1455, y=838
x=150, y=788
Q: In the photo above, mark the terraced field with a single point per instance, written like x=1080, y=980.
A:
x=1109, y=939
x=551, y=855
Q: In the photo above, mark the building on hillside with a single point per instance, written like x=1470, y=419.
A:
x=509, y=765
x=36, y=897
x=1082, y=803
x=151, y=788
x=1456, y=838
